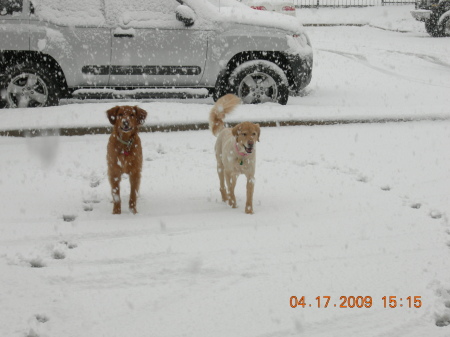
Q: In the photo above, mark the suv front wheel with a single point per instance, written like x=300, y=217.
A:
x=259, y=81
x=27, y=85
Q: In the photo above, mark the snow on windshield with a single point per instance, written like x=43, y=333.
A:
x=233, y=12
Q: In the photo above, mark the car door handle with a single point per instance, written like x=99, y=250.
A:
x=123, y=35
x=120, y=32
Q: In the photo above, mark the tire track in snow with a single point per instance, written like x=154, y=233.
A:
x=424, y=57
x=363, y=60
x=344, y=325
x=368, y=325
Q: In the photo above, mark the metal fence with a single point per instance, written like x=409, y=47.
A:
x=349, y=3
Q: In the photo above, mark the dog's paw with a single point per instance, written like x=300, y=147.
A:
x=232, y=202
x=249, y=209
x=224, y=195
x=133, y=210
x=116, y=210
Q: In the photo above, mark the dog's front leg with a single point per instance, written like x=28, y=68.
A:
x=250, y=189
x=135, y=181
x=114, y=180
x=231, y=180
x=223, y=190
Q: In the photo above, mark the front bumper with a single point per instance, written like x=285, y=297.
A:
x=421, y=14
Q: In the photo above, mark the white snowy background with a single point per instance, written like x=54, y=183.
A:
x=340, y=210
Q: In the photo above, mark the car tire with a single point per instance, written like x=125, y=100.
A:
x=433, y=28
x=27, y=85
x=443, y=25
x=259, y=81
x=2, y=103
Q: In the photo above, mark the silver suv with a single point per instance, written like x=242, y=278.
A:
x=53, y=49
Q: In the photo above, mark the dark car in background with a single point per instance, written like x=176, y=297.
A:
x=435, y=14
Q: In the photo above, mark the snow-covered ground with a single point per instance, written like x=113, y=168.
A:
x=358, y=210
x=395, y=18
x=344, y=210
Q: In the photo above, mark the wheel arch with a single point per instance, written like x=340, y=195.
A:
x=275, y=57
x=48, y=63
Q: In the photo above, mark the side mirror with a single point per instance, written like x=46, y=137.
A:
x=186, y=15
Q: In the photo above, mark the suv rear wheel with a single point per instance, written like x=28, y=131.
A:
x=259, y=81
x=27, y=85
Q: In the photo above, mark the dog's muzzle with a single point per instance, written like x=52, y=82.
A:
x=249, y=149
x=126, y=127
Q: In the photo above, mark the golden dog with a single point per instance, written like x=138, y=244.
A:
x=124, y=152
x=235, y=150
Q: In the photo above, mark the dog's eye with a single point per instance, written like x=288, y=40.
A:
x=244, y=134
x=253, y=134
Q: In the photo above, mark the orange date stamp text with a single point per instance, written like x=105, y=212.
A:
x=356, y=302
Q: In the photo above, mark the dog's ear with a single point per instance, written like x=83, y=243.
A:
x=236, y=130
x=258, y=130
x=112, y=114
x=141, y=114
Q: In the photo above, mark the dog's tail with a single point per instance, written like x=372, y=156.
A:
x=223, y=106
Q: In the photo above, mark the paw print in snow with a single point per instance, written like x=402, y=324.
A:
x=435, y=214
x=37, y=262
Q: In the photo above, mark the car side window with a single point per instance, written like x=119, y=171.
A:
x=11, y=7
x=142, y=13
x=73, y=13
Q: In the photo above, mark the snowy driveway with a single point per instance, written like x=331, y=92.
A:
x=347, y=210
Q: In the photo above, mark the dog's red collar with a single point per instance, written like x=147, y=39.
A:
x=126, y=152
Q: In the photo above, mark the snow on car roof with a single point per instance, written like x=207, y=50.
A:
x=156, y=14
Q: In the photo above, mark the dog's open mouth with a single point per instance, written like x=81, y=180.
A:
x=248, y=149
x=126, y=128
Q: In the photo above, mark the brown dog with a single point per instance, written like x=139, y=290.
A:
x=235, y=150
x=124, y=152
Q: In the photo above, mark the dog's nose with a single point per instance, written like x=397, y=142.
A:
x=251, y=143
x=126, y=123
